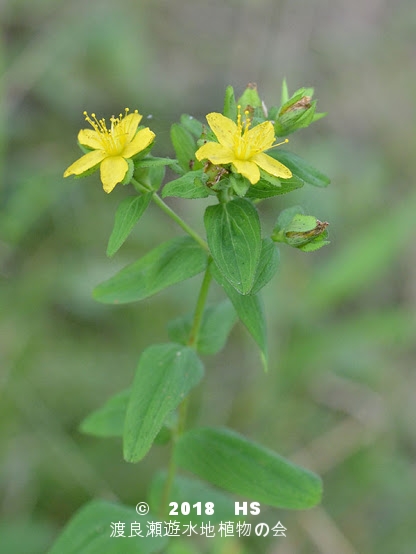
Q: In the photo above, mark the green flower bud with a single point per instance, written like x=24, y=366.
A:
x=301, y=231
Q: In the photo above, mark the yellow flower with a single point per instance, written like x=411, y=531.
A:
x=111, y=148
x=242, y=147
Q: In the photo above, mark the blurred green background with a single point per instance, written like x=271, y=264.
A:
x=340, y=394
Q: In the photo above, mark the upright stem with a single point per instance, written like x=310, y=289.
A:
x=183, y=407
x=193, y=334
x=173, y=215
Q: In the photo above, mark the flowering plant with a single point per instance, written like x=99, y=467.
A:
x=234, y=160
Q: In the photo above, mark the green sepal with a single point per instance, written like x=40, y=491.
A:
x=184, y=145
x=239, y=184
x=234, y=238
x=130, y=172
x=190, y=185
x=300, y=168
x=217, y=322
x=285, y=93
x=128, y=213
x=316, y=243
x=232, y=462
x=194, y=126
x=230, y=105
x=84, y=148
x=250, y=98
x=88, y=171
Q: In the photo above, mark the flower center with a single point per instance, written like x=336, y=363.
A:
x=243, y=150
x=114, y=139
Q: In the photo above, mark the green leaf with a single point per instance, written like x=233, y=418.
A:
x=185, y=146
x=249, y=309
x=192, y=125
x=234, y=238
x=108, y=420
x=268, y=265
x=89, y=530
x=187, y=489
x=216, y=325
x=190, y=185
x=155, y=162
x=128, y=213
x=234, y=463
x=171, y=262
x=164, y=376
x=300, y=168
x=265, y=189
x=230, y=105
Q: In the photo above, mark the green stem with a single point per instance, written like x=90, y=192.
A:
x=173, y=215
x=183, y=407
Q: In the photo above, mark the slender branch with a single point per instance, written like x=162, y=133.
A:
x=199, y=309
x=173, y=215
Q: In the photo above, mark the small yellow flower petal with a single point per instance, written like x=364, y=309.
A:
x=242, y=146
x=248, y=169
x=85, y=163
x=224, y=128
x=112, y=146
x=261, y=137
x=141, y=141
x=90, y=139
x=128, y=126
x=215, y=153
x=112, y=171
x=272, y=166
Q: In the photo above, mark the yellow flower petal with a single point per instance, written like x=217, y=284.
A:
x=112, y=171
x=247, y=169
x=224, y=128
x=90, y=139
x=128, y=125
x=215, y=153
x=85, y=163
x=261, y=137
x=272, y=166
x=141, y=141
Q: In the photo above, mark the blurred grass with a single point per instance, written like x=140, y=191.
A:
x=340, y=393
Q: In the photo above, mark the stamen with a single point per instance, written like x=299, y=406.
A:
x=280, y=143
x=239, y=118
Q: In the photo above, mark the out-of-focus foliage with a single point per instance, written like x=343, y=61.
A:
x=339, y=395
